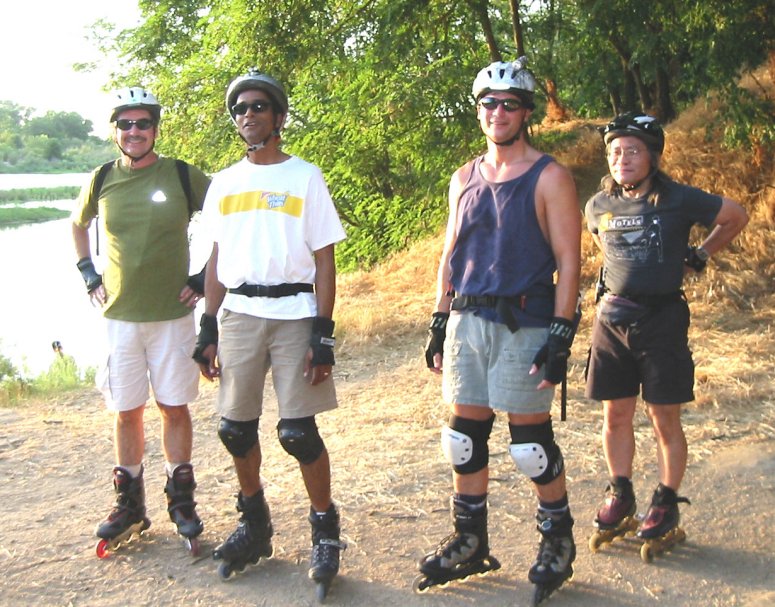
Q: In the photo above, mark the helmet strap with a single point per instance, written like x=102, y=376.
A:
x=135, y=158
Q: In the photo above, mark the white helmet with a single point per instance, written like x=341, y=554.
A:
x=512, y=77
x=135, y=97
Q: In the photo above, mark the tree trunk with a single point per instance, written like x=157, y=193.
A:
x=480, y=11
x=555, y=110
x=516, y=25
x=664, y=108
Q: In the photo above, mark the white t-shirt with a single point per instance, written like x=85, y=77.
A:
x=268, y=220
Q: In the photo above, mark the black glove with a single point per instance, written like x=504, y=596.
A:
x=197, y=281
x=89, y=274
x=555, y=352
x=322, y=341
x=696, y=258
x=208, y=335
x=437, y=333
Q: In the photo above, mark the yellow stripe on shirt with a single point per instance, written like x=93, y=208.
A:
x=262, y=201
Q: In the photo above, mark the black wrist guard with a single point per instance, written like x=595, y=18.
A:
x=89, y=274
x=437, y=333
x=696, y=260
x=556, y=351
x=208, y=335
x=197, y=282
x=322, y=341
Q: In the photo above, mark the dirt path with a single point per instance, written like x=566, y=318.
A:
x=392, y=486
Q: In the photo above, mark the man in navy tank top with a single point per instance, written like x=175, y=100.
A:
x=502, y=328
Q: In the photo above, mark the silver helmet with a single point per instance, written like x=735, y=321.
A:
x=135, y=97
x=512, y=77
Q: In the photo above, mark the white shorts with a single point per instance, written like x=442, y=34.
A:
x=155, y=353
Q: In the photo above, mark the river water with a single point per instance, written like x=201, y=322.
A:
x=43, y=297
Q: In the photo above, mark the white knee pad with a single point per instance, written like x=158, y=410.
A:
x=530, y=458
x=458, y=448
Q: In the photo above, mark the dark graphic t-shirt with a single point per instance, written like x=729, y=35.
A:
x=644, y=245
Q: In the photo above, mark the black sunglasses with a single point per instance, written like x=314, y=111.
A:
x=143, y=124
x=257, y=107
x=510, y=105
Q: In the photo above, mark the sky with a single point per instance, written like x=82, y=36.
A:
x=40, y=40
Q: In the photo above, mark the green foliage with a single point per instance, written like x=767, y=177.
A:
x=380, y=89
x=62, y=376
x=57, y=142
x=23, y=195
x=18, y=215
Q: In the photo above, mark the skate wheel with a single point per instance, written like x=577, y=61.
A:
x=646, y=553
x=103, y=549
x=595, y=542
x=224, y=571
x=420, y=584
x=192, y=545
x=321, y=591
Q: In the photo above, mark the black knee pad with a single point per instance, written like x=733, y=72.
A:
x=239, y=437
x=300, y=438
x=464, y=442
x=535, y=453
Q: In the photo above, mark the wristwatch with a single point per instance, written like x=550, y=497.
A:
x=696, y=258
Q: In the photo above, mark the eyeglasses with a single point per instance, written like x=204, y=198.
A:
x=143, y=124
x=492, y=103
x=632, y=153
x=257, y=107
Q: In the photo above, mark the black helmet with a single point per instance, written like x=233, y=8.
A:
x=255, y=80
x=636, y=124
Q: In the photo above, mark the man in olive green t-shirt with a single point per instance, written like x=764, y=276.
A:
x=144, y=204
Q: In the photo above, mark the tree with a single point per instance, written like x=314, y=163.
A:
x=58, y=125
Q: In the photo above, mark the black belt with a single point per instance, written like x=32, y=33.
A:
x=659, y=299
x=283, y=290
x=502, y=305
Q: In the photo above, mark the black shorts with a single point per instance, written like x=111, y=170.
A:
x=652, y=353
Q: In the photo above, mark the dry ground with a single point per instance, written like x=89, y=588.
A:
x=392, y=485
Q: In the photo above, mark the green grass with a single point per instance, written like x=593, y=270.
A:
x=17, y=215
x=62, y=376
x=23, y=195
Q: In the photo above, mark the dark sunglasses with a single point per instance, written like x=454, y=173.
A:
x=491, y=103
x=143, y=124
x=256, y=107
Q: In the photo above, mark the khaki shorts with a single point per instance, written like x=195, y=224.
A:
x=149, y=353
x=248, y=347
x=485, y=364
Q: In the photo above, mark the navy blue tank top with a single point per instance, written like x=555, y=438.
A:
x=500, y=249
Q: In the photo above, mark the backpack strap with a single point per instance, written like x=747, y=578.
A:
x=96, y=187
x=185, y=182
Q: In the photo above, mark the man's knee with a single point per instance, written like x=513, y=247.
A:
x=300, y=438
x=535, y=453
x=464, y=442
x=238, y=437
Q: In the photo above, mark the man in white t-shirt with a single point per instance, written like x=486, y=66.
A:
x=272, y=270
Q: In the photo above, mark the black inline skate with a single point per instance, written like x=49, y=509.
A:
x=324, y=562
x=616, y=517
x=660, y=528
x=182, y=507
x=464, y=553
x=251, y=540
x=127, y=517
x=556, y=553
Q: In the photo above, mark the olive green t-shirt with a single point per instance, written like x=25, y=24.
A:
x=143, y=231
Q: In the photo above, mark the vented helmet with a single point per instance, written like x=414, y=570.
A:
x=512, y=77
x=135, y=97
x=636, y=124
x=255, y=80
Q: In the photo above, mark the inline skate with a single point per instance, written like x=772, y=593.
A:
x=659, y=529
x=182, y=507
x=616, y=517
x=127, y=518
x=556, y=553
x=326, y=546
x=463, y=553
x=250, y=541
